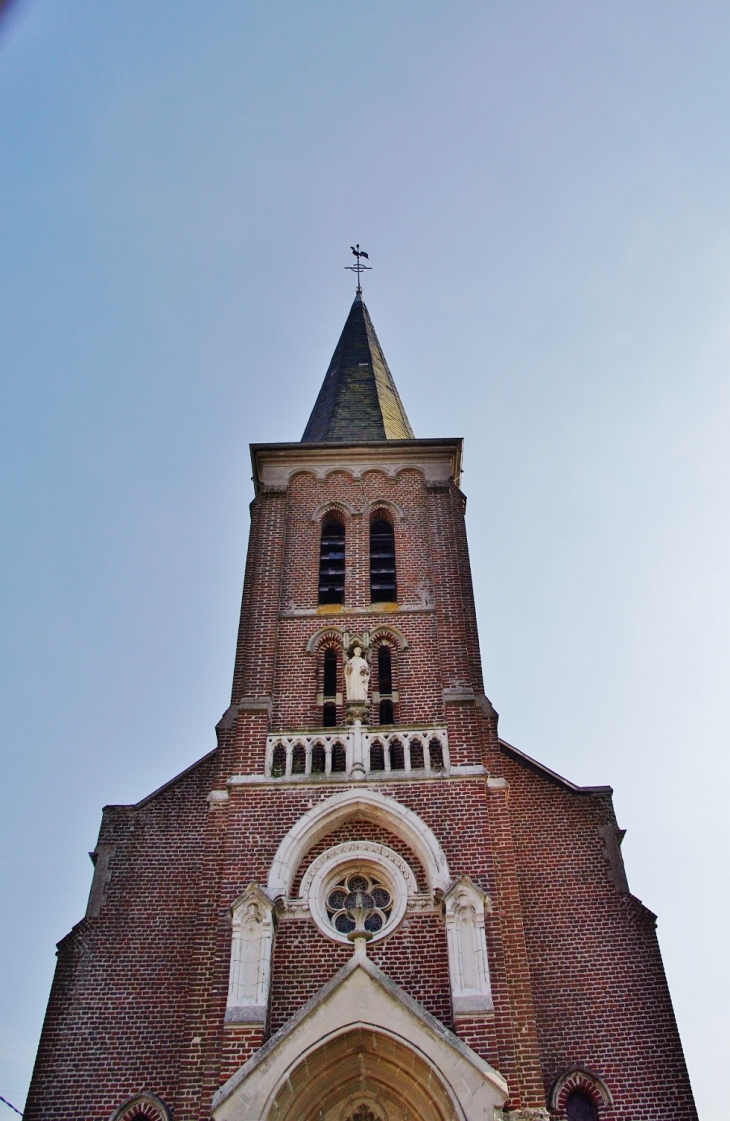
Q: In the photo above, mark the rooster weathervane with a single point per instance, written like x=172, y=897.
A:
x=359, y=267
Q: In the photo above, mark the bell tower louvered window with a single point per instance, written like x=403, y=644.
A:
x=382, y=562
x=332, y=563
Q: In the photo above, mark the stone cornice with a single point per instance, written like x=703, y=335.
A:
x=438, y=460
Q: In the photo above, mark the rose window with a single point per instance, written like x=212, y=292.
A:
x=359, y=892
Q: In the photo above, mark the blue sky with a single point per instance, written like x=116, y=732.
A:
x=544, y=189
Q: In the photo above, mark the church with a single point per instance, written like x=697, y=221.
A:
x=363, y=904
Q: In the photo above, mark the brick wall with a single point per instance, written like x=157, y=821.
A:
x=597, y=978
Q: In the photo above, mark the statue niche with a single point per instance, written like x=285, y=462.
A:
x=357, y=676
x=464, y=905
x=253, y=930
x=357, y=682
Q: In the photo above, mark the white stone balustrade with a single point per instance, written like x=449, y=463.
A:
x=357, y=753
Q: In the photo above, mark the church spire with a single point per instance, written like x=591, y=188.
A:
x=358, y=401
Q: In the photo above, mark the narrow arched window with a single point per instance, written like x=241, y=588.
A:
x=397, y=756
x=278, y=763
x=416, y=755
x=377, y=756
x=436, y=755
x=339, y=758
x=579, y=1107
x=385, y=684
x=318, y=759
x=332, y=563
x=298, y=760
x=382, y=562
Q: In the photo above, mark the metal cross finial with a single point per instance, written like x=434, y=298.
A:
x=359, y=267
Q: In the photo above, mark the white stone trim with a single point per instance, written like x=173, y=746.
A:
x=348, y=852
x=291, y=611
x=324, y=872
x=277, y=466
x=329, y=814
x=362, y=999
x=251, y=946
x=357, y=744
x=464, y=906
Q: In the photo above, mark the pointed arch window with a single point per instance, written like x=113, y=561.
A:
x=383, y=587
x=339, y=758
x=332, y=563
x=278, y=763
x=436, y=754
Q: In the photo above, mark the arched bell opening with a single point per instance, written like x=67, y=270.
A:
x=363, y=1075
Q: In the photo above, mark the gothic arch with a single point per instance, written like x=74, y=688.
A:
x=387, y=506
x=391, y=1076
x=326, y=816
x=394, y=634
x=334, y=507
x=324, y=634
x=578, y=1077
x=361, y=1038
x=144, y=1105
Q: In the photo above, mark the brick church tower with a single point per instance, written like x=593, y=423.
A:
x=363, y=905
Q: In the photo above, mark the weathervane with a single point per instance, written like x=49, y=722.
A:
x=359, y=267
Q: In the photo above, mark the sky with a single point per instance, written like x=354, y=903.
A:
x=544, y=191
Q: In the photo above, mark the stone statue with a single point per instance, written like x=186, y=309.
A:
x=357, y=676
x=248, y=986
x=249, y=955
x=464, y=906
x=468, y=935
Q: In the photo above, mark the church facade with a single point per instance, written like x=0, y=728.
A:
x=363, y=905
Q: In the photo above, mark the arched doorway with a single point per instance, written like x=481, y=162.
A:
x=363, y=1075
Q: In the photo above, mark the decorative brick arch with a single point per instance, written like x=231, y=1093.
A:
x=144, y=1105
x=324, y=636
x=391, y=509
x=371, y=805
x=585, y=1081
x=344, y=509
x=391, y=634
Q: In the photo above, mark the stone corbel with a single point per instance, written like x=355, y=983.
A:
x=251, y=947
x=256, y=704
x=464, y=907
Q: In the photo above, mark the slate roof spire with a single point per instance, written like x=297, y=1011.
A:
x=358, y=401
